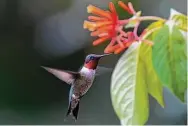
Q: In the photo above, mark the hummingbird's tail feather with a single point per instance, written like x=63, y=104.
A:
x=73, y=112
x=69, y=110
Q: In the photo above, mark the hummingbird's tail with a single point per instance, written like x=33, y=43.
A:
x=73, y=112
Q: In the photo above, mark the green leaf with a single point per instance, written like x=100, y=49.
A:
x=128, y=88
x=170, y=59
x=132, y=79
x=152, y=29
x=155, y=25
x=154, y=84
x=179, y=19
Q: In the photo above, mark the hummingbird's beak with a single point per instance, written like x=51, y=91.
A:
x=104, y=55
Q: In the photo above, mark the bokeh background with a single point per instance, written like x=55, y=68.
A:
x=50, y=33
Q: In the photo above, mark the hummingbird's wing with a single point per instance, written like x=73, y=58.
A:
x=66, y=76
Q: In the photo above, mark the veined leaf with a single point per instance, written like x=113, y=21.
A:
x=132, y=79
x=179, y=19
x=153, y=82
x=155, y=25
x=150, y=31
x=170, y=59
x=128, y=88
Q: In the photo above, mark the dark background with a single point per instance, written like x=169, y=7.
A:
x=50, y=33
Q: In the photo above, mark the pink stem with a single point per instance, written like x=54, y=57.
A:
x=143, y=18
x=123, y=39
x=123, y=22
x=135, y=31
x=113, y=41
x=123, y=33
x=119, y=41
x=130, y=36
x=119, y=29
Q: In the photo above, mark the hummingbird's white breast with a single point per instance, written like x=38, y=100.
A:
x=89, y=73
x=88, y=76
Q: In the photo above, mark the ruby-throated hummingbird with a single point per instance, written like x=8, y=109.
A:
x=80, y=81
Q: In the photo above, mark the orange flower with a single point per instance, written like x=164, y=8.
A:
x=128, y=8
x=103, y=24
x=107, y=26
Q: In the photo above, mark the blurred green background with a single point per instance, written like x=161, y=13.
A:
x=50, y=33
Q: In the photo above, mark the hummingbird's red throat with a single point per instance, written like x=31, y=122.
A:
x=91, y=65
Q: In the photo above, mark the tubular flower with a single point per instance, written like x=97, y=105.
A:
x=105, y=25
x=128, y=8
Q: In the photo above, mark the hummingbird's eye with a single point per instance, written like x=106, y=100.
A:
x=91, y=58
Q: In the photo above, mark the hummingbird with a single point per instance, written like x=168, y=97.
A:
x=80, y=81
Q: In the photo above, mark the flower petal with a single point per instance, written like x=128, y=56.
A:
x=124, y=6
x=103, y=34
x=119, y=50
x=97, y=11
x=103, y=23
x=89, y=25
x=131, y=8
x=111, y=48
x=96, y=18
x=105, y=28
x=100, y=40
x=112, y=7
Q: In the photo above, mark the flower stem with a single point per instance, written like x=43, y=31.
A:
x=143, y=18
x=122, y=32
x=136, y=30
x=123, y=22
